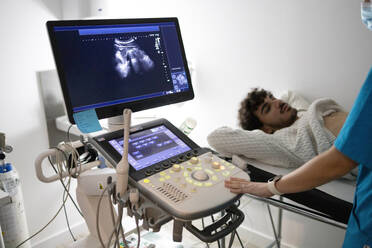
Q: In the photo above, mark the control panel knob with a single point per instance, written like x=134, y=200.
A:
x=200, y=175
x=194, y=160
x=176, y=168
x=216, y=165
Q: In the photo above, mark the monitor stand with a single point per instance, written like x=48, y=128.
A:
x=115, y=123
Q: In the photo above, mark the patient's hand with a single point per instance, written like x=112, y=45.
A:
x=242, y=186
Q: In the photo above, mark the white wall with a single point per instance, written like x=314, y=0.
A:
x=25, y=49
x=318, y=48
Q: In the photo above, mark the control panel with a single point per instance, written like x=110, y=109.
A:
x=171, y=170
x=191, y=189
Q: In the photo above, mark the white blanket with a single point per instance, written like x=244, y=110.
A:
x=289, y=147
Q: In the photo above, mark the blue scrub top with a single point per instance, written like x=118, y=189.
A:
x=355, y=142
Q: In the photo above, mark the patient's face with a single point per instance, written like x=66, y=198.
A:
x=275, y=114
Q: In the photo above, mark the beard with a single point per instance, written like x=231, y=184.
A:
x=292, y=118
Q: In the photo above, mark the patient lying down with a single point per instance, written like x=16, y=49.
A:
x=278, y=134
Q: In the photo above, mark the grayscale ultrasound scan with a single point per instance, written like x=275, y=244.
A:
x=130, y=59
x=179, y=81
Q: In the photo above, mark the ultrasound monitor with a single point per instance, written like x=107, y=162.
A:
x=109, y=65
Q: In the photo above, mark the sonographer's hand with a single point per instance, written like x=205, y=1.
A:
x=242, y=186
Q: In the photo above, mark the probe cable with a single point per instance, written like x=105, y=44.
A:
x=112, y=211
x=67, y=221
x=59, y=210
x=61, y=162
x=64, y=186
x=59, y=169
x=121, y=209
x=138, y=232
x=68, y=133
x=97, y=217
x=121, y=229
x=116, y=224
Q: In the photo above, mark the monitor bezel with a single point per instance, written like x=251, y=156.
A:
x=117, y=109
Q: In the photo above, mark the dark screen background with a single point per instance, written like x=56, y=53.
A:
x=89, y=68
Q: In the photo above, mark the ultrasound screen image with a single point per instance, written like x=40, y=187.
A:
x=133, y=64
x=106, y=65
x=179, y=81
x=130, y=58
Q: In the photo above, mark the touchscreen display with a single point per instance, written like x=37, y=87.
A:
x=151, y=146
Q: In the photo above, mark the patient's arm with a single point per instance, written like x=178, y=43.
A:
x=253, y=144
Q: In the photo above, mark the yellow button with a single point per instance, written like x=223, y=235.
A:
x=198, y=184
x=189, y=169
x=194, y=160
x=216, y=165
x=208, y=184
x=146, y=180
x=167, y=177
x=162, y=173
x=162, y=179
x=185, y=174
x=214, y=178
x=176, y=168
x=189, y=180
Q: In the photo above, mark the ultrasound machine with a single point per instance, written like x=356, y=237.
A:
x=159, y=174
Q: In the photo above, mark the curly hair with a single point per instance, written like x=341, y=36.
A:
x=247, y=119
